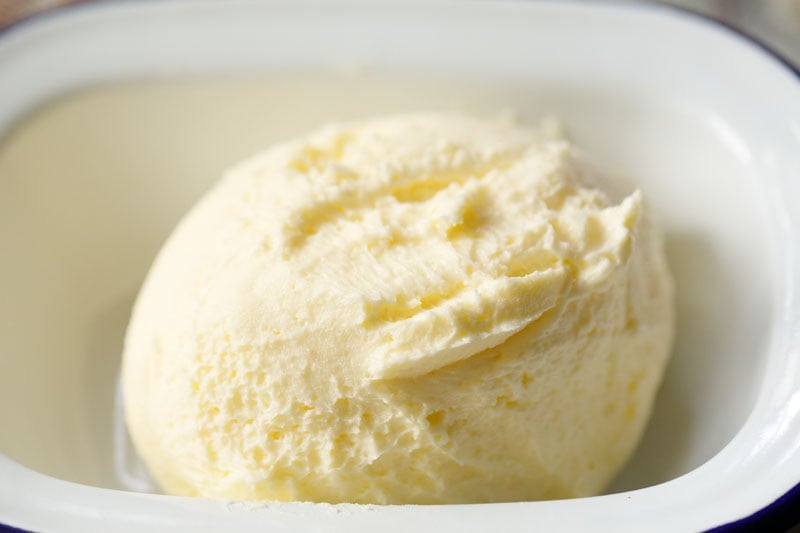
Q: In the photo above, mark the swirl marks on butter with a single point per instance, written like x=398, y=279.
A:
x=451, y=244
x=374, y=187
x=470, y=322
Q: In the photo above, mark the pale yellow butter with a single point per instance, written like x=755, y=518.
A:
x=417, y=309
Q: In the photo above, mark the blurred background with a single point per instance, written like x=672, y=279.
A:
x=775, y=22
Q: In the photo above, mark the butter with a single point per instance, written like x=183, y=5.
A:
x=415, y=309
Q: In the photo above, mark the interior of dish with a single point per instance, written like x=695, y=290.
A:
x=92, y=183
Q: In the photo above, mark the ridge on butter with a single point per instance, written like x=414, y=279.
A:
x=414, y=309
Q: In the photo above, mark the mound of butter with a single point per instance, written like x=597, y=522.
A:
x=416, y=309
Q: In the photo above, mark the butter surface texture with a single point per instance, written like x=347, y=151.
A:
x=415, y=309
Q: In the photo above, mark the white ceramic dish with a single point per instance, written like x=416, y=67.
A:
x=706, y=122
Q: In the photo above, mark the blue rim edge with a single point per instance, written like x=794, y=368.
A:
x=780, y=515
x=5, y=528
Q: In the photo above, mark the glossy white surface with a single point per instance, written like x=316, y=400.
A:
x=714, y=139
